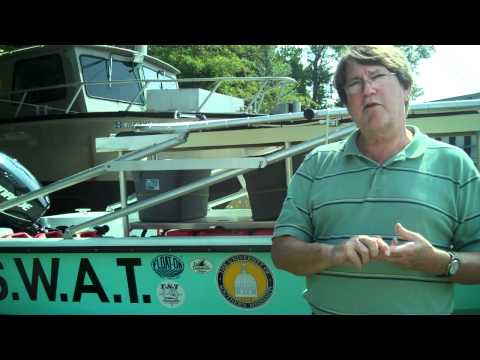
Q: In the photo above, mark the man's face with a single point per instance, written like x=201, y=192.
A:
x=375, y=98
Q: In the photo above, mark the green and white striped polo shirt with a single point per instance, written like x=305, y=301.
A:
x=429, y=187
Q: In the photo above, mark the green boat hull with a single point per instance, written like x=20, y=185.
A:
x=184, y=276
x=181, y=279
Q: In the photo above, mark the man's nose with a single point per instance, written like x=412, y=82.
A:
x=368, y=87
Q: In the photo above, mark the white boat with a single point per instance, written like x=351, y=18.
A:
x=56, y=100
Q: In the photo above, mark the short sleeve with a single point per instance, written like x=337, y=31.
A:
x=467, y=233
x=295, y=216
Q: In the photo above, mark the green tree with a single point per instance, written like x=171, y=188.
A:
x=312, y=66
x=227, y=60
x=414, y=54
x=320, y=63
x=293, y=56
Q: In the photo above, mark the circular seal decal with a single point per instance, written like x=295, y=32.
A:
x=170, y=294
x=245, y=281
x=201, y=265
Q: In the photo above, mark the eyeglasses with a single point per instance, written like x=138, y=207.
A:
x=377, y=80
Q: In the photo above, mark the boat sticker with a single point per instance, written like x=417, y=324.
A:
x=245, y=281
x=201, y=266
x=152, y=184
x=168, y=266
x=129, y=124
x=170, y=294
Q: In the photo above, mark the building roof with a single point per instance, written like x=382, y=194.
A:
x=462, y=97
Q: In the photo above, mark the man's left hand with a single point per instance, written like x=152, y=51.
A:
x=417, y=253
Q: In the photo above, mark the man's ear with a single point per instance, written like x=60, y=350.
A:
x=348, y=107
x=407, y=93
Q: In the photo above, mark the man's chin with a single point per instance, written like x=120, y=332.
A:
x=377, y=122
x=376, y=126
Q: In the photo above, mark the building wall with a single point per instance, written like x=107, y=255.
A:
x=467, y=142
x=460, y=130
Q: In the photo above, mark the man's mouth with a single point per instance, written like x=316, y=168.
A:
x=370, y=105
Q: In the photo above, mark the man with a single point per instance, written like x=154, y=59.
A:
x=385, y=221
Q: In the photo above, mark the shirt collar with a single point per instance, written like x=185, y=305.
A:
x=414, y=149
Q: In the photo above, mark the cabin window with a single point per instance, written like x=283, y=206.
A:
x=39, y=72
x=97, y=69
x=150, y=74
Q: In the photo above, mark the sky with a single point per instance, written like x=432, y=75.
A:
x=453, y=70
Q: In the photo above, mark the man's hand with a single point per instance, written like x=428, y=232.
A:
x=417, y=253
x=359, y=250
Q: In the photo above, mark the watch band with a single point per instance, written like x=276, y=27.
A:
x=453, y=264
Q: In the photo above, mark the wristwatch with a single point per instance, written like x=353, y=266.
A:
x=453, y=265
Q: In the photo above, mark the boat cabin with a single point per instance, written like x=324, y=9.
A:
x=112, y=79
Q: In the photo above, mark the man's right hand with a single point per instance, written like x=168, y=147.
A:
x=359, y=250
x=305, y=258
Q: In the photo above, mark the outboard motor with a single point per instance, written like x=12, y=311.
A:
x=16, y=180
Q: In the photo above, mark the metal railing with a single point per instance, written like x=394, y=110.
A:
x=95, y=171
x=79, y=86
x=206, y=182
x=168, y=141
x=179, y=137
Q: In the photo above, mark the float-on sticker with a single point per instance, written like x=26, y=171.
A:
x=170, y=294
x=245, y=281
x=167, y=266
x=201, y=266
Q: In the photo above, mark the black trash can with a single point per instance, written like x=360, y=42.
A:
x=267, y=189
x=187, y=207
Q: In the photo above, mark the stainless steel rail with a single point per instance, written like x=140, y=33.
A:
x=219, y=124
x=80, y=85
x=211, y=180
x=95, y=171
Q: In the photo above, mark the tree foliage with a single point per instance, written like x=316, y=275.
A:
x=321, y=60
x=199, y=61
x=414, y=54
